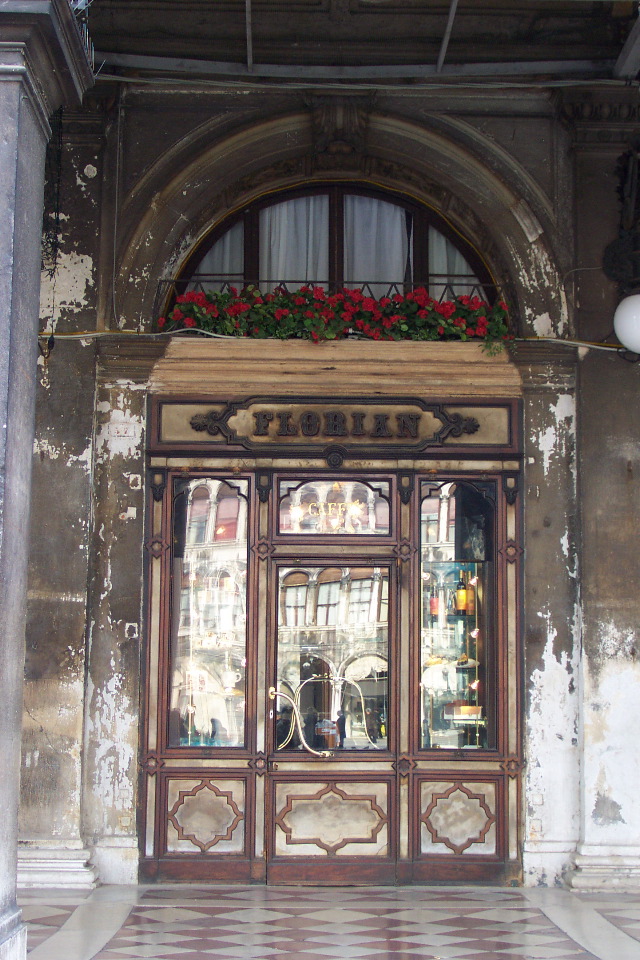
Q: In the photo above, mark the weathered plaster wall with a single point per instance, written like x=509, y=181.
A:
x=551, y=629
x=114, y=630
x=610, y=497
x=61, y=520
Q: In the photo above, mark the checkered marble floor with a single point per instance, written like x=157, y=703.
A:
x=304, y=923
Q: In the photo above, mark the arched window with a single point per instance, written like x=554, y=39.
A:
x=338, y=235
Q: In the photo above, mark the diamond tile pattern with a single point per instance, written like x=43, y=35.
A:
x=620, y=909
x=323, y=923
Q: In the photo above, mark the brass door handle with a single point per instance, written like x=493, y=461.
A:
x=273, y=693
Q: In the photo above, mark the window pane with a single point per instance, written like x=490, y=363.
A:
x=208, y=635
x=450, y=274
x=332, y=659
x=377, y=244
x=456, y=673
x=294, y=242
x=334, y=507
x=223, y=263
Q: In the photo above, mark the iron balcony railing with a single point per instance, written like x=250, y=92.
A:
x=440, y=286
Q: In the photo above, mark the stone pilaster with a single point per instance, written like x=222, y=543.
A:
x=42, y=64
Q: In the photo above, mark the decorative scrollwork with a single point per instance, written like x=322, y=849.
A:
x=212, y=422
x=457, y=425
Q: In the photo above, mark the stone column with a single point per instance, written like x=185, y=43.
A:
x=42, y=64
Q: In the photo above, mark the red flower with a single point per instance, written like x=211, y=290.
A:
x=177, y=314
x=281, y=313
x=161, y=322
x=189, y=322
x=441, y=331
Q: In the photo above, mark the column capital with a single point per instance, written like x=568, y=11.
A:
x=42, y=43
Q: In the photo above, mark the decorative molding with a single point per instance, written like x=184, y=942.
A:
x=510, y=486
x=479, y=798
x=406, y=484
x=512, y=766
x=404, y=765
x=129, y=357
x=340, y=124
x=58, y=868
x=335, y=456
x=262, y=548
x=258, y=764
x=156, y=546
x=510, y=551
x=332, y=790
x=608, y=871
x=183, y=801
x=264, y=485
x=152, y=763
x=404, y=550
x=157, y=482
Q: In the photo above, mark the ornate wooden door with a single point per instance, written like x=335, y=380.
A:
x=332, y=677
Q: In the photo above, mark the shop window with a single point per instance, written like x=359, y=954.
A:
x=458, y=647
x=208, y=619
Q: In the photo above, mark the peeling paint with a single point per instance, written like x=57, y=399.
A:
x=69, y=288
x=45, y=450
x=111, y=726
x=614, y=643
x=558, y=441
x=553, y=760
x=121, y=435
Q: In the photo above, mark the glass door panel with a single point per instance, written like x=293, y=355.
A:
x=456, y=648
x=208, y=614
x=332, y=658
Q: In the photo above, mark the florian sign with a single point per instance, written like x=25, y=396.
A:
x=316, y=426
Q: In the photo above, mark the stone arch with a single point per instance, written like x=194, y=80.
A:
x=476, y=185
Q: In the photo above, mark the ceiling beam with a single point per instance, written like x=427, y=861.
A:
x=530, y=68
x=628, y=63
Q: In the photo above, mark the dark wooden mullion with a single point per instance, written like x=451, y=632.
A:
x=252, y=245
x=420, y=248
x=336, y=238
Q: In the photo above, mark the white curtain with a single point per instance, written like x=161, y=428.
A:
x=449, y=272
x=376, y=244
x=225, y=261
x=294, y=242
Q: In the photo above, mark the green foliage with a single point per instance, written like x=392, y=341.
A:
x=310, y=313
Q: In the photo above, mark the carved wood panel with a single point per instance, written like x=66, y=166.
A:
x=331, y=818
x=458, y=817
x=205, y=815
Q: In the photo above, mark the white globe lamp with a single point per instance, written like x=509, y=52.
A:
x=626, y=322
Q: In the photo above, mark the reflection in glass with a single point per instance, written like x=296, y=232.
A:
x=332, y=658
x=334, y=507
x=456, y=568
x=208, y=624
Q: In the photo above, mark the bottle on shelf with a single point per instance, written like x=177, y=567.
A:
x=434, y=602
x=461, y=595
x=471, y=596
